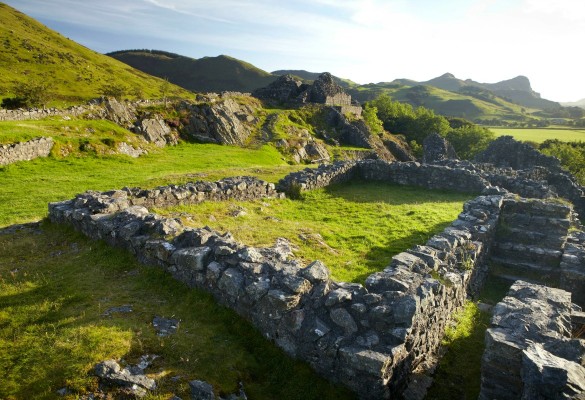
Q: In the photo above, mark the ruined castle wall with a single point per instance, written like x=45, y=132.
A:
x=25, y=151
x=529, y=351
x=368, y=337
x=402, y=173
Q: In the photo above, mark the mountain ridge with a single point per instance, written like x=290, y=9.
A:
x=206, y=74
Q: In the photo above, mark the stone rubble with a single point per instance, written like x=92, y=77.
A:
x=525, y=355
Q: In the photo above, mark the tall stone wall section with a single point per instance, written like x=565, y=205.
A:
x=529, y=350
x=25, y=151
x=368, y=337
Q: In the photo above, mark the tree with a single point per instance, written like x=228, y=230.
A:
x=165, y=86
x=469, y=140
x=370, y=116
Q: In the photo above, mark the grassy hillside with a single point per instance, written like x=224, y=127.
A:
x=442, y=101
x=29, y=51
x=207, y=74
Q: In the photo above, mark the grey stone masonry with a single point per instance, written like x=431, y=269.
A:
x=368, y=337
x=540, y=241
x=25, y=151
x=529, y=351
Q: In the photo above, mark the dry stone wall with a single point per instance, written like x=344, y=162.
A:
x=368, y=337
x=25, y=151
x=529, y=350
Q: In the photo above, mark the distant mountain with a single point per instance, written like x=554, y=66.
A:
x=517, y=90
x=74, y=73
x=207, y=74
x=580, y=103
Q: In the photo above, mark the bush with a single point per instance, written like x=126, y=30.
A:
x=28, y=95
x=112, y=89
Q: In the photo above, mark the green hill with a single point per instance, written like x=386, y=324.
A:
x=466, y=104
x=31, y=52
x=207, y=74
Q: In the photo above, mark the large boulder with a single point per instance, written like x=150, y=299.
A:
x=285, y=89
x=155, y=130
x=437, y=148
x=224, y=122
x=505, y=151
x=122, y=114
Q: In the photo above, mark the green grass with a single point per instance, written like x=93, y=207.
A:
x=539, y=135
x=31, y=51
x=72, y=137
x=361, y=224
x=55, y=286
x=458, y=375
x=459, y=371
x=27, y=187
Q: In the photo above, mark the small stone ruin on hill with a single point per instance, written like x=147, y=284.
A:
x=523, y=225
x=324, y=90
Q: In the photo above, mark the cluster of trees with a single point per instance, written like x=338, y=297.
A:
x=571, y=155
x=416, y=124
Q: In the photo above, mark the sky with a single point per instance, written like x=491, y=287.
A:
x=362, y=40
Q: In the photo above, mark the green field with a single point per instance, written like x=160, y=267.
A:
x=27, y=187
x=354, y=228
x=539, y=135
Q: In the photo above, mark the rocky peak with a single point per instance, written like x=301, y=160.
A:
x=324, y=87
x=283, y=89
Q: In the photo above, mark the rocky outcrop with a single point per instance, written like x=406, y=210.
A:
x=224, y=122
x=399, y=150
x=284, y=89
x=505, y=151
x=529, y=351
x=356, y=133
x=437, y=148
x=25, y=151
x=123, y=114
x=155, y=130
x=326, y=91
x=288, y=89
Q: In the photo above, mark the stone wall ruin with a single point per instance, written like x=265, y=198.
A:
x=26, y=151
x=369, y=337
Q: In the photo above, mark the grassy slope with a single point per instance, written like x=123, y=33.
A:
x=27, y=187
x=539, y=135
x=364, y=225
x=208, y=74
x=31, y=51
x=443, y=102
